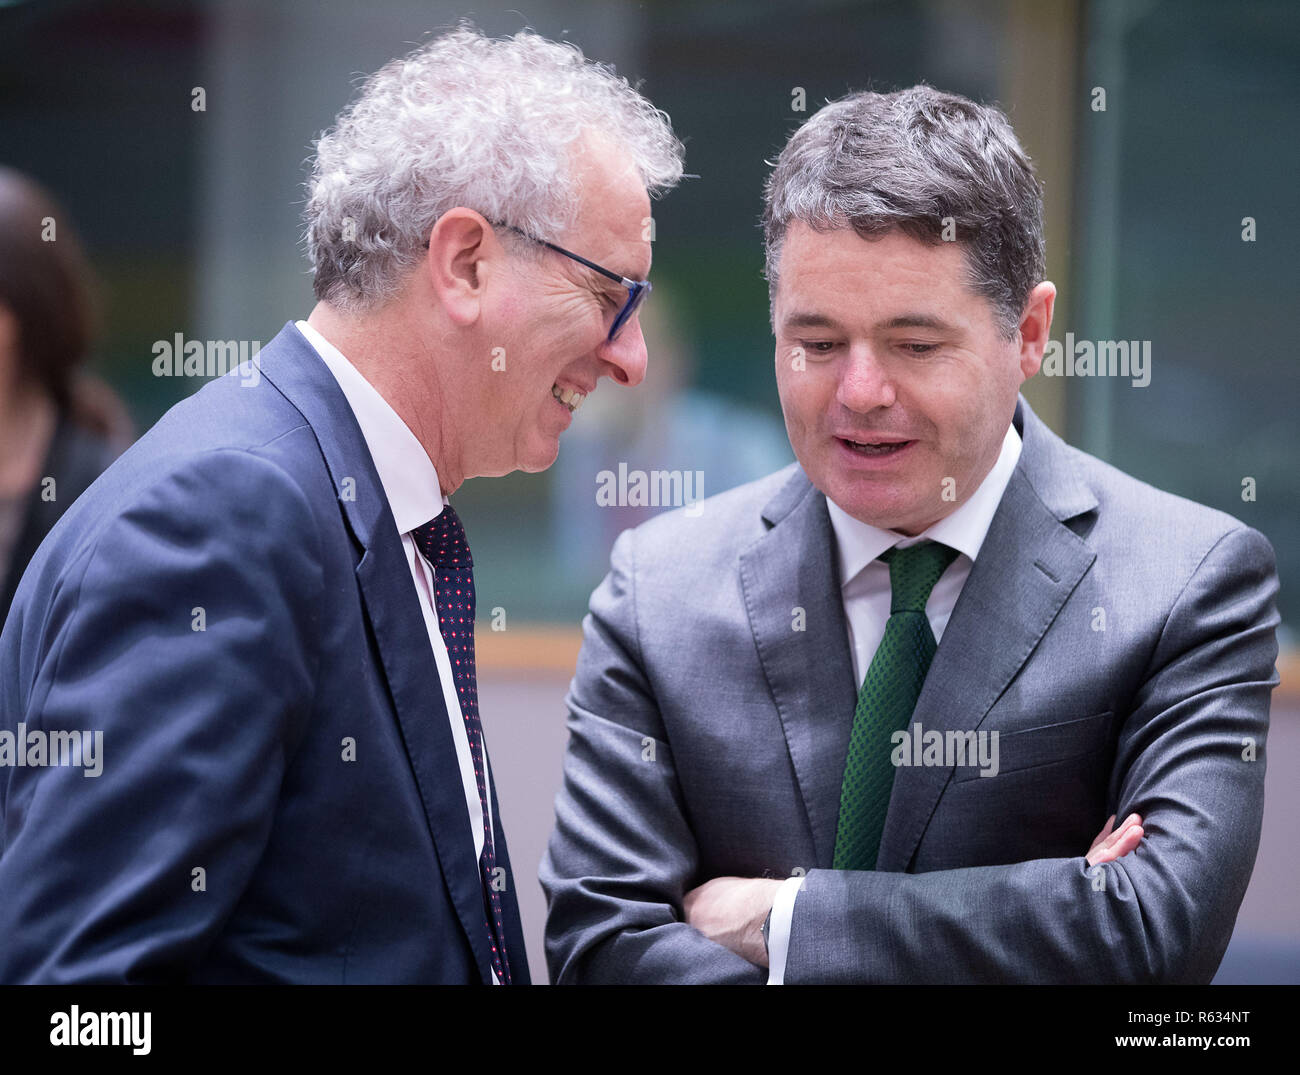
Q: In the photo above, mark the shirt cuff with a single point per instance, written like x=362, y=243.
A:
x=778, y=931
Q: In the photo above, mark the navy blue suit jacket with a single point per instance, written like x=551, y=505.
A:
x=255, y=513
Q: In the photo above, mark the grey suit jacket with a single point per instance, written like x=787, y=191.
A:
x=1120, y=640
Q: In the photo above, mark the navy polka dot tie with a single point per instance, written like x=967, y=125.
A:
x=442, y=541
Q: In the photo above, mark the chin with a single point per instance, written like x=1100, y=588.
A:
x=886, y=509
x=539, y=458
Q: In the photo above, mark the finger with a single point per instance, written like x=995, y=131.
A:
x=1118, y=834
x=1131, y=837
x=1127, y=824
x=1103, y=834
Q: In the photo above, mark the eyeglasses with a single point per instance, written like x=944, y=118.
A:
x=637, y=290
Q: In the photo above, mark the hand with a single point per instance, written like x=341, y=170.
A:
x=730, y=911
x=1109, y=846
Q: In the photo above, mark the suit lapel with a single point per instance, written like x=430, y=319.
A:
x=1028, y=566
x=391, y=605
x=395, y=617
x=516, y=950
x=809, y=671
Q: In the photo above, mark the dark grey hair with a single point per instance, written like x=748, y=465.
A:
x=466, y=120
x=915, y=160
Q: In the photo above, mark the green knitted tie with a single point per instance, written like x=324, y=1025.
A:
x=885, y=702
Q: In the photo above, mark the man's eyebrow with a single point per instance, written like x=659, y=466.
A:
x=916, y=321
x=599, y=283
x=621, y=269
x=808, y=320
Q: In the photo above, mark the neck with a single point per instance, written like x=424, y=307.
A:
x=399, y=359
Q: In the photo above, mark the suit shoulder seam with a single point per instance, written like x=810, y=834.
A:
x=1164, y=627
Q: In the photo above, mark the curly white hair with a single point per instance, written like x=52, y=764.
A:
x=466, y=120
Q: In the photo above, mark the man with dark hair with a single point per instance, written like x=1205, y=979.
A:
x=856, y=722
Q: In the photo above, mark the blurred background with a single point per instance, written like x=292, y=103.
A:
x=189, y=218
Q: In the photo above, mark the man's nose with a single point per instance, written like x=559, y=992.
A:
x=625, y=356
x=865, y=382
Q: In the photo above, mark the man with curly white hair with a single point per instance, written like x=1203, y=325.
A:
x=265, y=609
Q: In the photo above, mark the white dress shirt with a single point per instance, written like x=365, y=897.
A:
x=410, y=483
x=865, y=591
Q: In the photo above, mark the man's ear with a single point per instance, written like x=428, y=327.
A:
x=463, y=253
x=1036, y=327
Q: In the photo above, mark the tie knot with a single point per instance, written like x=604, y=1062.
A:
x=913, y=572
x=442, y=540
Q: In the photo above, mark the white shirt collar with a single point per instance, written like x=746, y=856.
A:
x=408, y=476
x=859, y=543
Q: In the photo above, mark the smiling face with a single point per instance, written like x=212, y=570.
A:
x=552, y=316
x=905, y=382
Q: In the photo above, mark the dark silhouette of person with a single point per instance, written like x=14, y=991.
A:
x=59, y=426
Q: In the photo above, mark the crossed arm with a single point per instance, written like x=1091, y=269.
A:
x=618, y=866
x=730, y=911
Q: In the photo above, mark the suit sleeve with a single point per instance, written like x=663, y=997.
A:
x=1190, y=760
x=622, y=854
x=186, y=637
